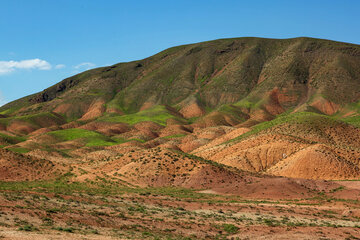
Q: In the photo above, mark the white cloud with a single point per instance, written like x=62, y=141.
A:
x=10, y=66
x=85, y=65
x=59, y=66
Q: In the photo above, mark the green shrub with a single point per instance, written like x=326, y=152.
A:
x=230, y=228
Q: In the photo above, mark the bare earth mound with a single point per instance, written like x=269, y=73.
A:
x=17, y=167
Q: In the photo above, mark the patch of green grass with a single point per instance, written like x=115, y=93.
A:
x=28, y=228
x=171, y=79
x=271, y=222
x=19, y=149
x=337, y=189
x=74, y=133
x=92, y=139
x=233, y=111
x=355, y=120
x=297, y=118
x=8, y=111
x=62, y=152
x=175, y=136
x=230, y=228
x=137, y=139
x=287, y=112
x=202, y=79
x=192, y=119
x=355, y=106
x=63, y=186
x=96, y=92
x=123, y=140
x=157, y=114
x=202, y=160
x=96, y=142
x=57, y=186
x=244, y=103
x=315, y=97
x=65, y=229
x=34, y=119
x=11, y=139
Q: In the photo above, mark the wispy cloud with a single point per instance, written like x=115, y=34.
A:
x=10, y=66
x=59, y=66
x=84, y=66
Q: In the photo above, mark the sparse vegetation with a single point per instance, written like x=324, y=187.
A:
x=181, y=145
x=158, y=114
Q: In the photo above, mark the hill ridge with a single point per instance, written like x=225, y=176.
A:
x=208, y=63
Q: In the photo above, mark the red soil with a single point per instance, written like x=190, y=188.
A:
x=17, y=167
x=96, y=109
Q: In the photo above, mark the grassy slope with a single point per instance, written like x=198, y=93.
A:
x=39, y=119
x=311, y=119
x=157, y=114
x=355, y=120
x=11, y=139
x=91, y=138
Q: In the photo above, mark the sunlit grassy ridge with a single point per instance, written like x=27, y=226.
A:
x=34, y=119
x=304, y=118
x=19, y=149
x=90, y=137
x=11, y=139
x=355, y=121
x=174, y=136
x=232, y=111
x=158, y=114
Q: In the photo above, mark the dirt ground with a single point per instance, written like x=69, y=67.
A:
x=169, y=213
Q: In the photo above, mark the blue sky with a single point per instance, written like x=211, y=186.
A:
x=45, y=41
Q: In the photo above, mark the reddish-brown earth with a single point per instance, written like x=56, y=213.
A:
x=95, y=110
x=229, y=139
x=17, y=167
